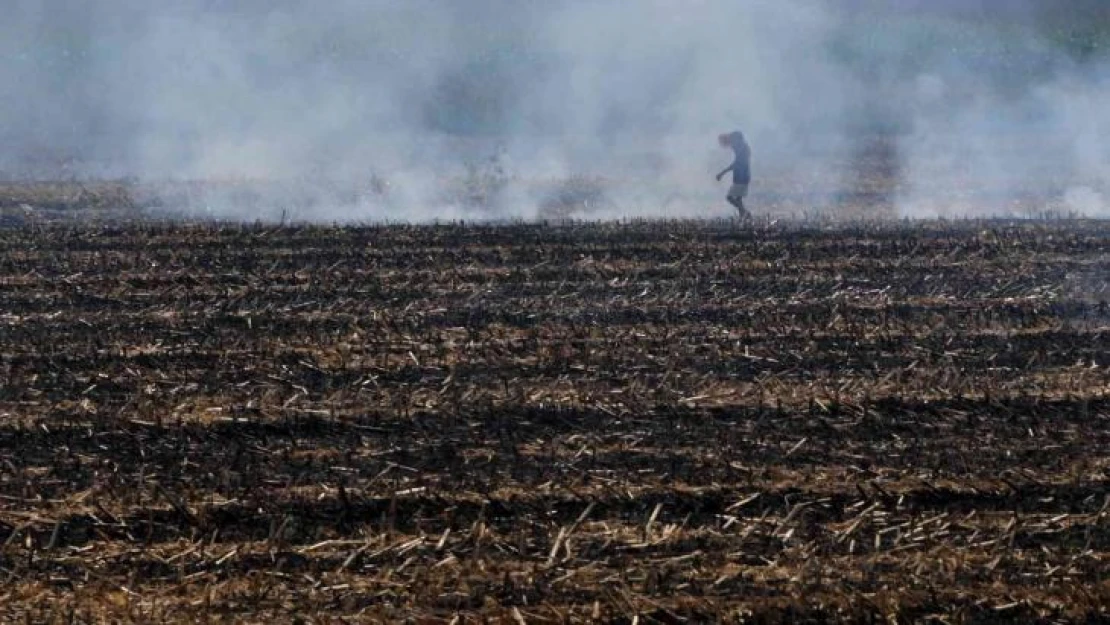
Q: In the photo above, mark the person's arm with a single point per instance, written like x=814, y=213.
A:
x=726, y=170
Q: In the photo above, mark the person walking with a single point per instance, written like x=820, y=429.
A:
x=741, y=169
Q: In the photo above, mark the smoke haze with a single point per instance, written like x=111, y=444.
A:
x=370, y=110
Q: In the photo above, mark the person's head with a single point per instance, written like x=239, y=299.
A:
x=731, y=139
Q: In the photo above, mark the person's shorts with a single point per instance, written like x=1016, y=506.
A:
x=738, y=191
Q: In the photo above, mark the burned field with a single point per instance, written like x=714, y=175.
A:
x=649, y=421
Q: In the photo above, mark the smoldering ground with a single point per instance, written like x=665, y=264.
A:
x=432, y=109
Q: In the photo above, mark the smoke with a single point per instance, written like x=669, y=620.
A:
x=1003, y=115
x=368, y=110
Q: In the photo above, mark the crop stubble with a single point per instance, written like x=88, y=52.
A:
x=539, y=423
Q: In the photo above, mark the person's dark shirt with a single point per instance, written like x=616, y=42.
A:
x=742, y=165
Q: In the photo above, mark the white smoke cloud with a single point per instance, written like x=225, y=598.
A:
x=1002, y=122
x=393, y=110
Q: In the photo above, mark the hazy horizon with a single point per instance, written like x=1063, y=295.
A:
x=388, y=110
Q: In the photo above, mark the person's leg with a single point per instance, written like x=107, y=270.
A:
x=736, y=197
x=738, y=202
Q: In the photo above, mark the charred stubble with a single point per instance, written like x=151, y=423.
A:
x=668, y=420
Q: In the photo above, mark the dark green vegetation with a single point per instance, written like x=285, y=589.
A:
x=652, y=421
